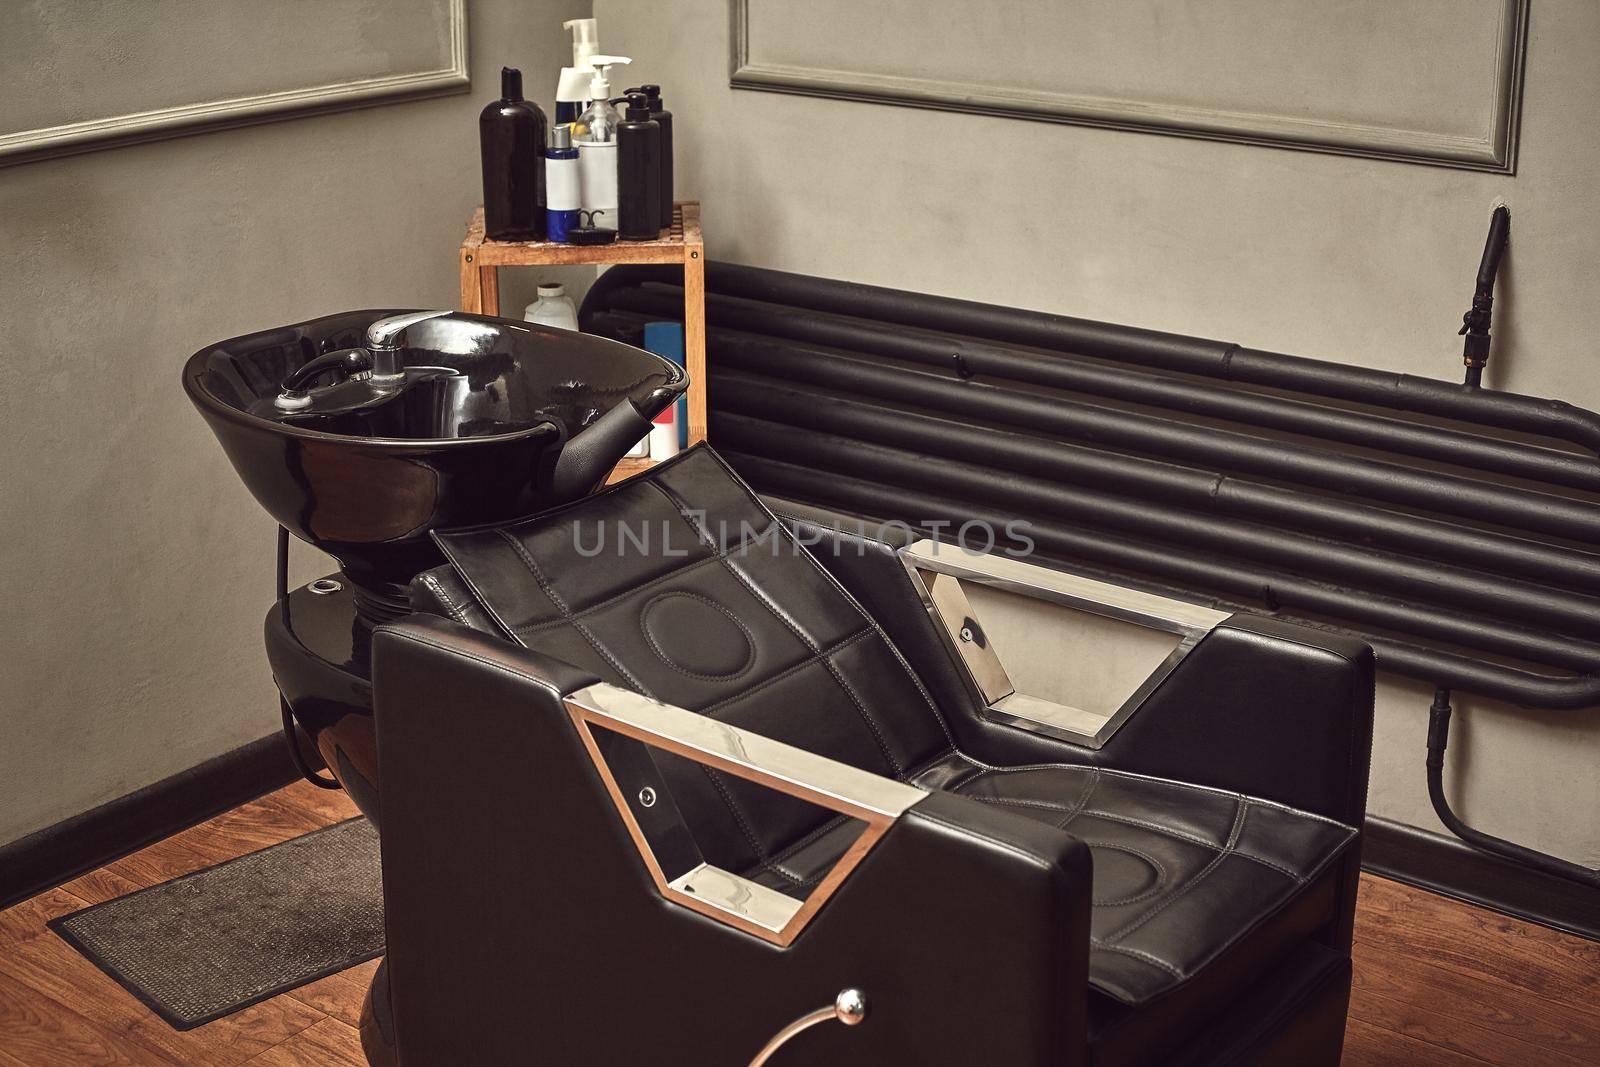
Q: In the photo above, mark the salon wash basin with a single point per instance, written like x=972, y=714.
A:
x=362, y=432
x=419, y=420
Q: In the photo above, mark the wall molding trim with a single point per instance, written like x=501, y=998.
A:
x=1496, y=151
x=46, y=858
x=1455, y=869
x=26, y=146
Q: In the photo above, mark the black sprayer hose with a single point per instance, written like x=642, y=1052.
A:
x=290, y=737
x=1475, y=327
x=1438, y=738
x=1475, y=323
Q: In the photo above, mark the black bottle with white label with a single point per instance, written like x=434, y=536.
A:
x=638, y=172
x=511, y=134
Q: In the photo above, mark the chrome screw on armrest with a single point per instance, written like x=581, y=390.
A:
x=849, y=1007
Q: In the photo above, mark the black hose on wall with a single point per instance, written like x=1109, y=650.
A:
x=1438, y=738
x=1475, y=323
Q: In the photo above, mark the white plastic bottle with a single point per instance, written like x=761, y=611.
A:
x=562, y=199
x=553, y=308
x=664, y=434
x=595, y=134
x=572, y=89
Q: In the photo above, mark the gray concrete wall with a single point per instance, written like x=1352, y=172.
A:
x=1362, y=261
x=137, y=568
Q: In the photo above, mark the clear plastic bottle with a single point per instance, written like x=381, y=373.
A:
x=595, y=135
x=553, y=308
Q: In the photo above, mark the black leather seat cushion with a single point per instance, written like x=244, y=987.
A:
x=1181, y=873
x=726, y=616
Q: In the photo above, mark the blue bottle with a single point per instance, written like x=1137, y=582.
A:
x=561, y=184
x=665, y=339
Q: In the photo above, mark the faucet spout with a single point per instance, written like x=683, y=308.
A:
x=386, y=337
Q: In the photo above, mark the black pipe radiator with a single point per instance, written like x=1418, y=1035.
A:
x=1453, y=528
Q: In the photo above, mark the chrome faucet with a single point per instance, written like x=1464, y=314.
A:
x=378, y=361
x=384, y=339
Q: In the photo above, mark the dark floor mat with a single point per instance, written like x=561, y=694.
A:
x=202, y=946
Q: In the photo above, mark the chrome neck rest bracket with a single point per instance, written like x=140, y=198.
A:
x=937, y=572
x=677, y=869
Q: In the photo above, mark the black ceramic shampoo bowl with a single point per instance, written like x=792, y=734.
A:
x=497, y=418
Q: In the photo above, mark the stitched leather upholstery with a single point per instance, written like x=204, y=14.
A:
x=683, y=587
x=1181, y=873
x=680, y=585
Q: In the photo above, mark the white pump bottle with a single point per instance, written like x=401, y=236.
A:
x=572, y=89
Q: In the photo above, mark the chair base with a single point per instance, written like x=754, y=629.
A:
x=1294, y=1015
x=377, y=1021
x=1297, y=1015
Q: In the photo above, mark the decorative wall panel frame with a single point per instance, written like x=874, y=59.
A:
x=181, y=120
x=1495, y=151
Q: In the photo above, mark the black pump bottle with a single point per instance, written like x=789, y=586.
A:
x=663, y=118
x=638, y=172
x=511, y=132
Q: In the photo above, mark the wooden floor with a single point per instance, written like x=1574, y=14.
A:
x=1437, y=982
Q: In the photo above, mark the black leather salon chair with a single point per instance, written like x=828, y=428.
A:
x=707, y=797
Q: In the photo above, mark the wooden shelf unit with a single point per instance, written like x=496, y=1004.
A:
x=481, y=260
x=628, y=467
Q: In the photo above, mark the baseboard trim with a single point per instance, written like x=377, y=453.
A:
x=46, y=858
x=1455, y=869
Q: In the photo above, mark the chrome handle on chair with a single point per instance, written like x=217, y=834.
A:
x=849, y=1007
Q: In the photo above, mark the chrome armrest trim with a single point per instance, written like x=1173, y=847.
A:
x=1072, y=590
x=719, y=894
x=833, y=785
x=937, y=571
